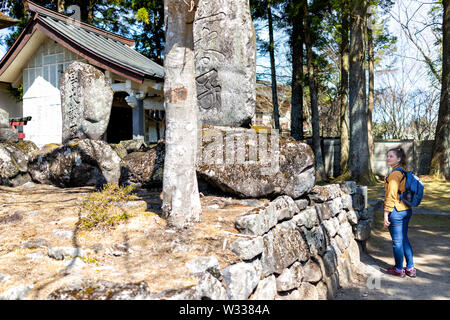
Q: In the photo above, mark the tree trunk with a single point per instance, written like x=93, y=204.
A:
x=276, y=114
x=90, y=18
x=159, y=22
x=359, y=163
x=440, y=161
x=297, y=76
x=371, y=99
x=87, y=11
x=181, y=201
x=320, y=170
x=60, y=6
x=344, y=107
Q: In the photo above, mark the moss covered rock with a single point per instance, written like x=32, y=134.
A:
x=8, y=165
x=8, y=135
x=101, y=290
x=82, y=163
x=254, y=164
x=238, y=161
x=14, y=158
x=134, y=145
x=144, y=169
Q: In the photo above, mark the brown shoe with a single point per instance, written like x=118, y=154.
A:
x=411, y=272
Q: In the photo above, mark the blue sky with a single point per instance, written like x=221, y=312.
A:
x=3, y=32
x=407, y=55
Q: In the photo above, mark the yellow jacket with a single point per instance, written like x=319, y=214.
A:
x=391, y=187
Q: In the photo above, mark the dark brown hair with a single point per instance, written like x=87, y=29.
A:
x=400, y=153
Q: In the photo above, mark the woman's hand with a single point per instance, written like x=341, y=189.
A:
x=386, y=219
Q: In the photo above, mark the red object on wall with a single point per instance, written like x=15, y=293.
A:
x=15, y=122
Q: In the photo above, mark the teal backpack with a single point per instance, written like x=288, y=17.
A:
x=414, y=188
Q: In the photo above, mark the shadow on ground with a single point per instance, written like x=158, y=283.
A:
x=429, y=236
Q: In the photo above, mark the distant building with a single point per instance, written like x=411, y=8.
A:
x=44, y=49
x=264, y=107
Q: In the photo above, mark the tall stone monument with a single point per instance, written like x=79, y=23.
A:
x=86, y=100
x=225, y=62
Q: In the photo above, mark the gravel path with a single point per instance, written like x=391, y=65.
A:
x=431, y=247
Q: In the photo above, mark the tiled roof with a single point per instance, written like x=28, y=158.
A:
x=103, y=45
x=99, y=47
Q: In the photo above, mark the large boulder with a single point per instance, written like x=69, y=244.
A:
x=134, y=145
x=143, y=169
x=8, y=166
x=225, y=62
x=82, y=163
x=14, y=158
x=7, y=134
x=252, y=165
x=248, y=168
x=86, y=99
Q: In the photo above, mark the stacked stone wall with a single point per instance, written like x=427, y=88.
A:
x=290, y=249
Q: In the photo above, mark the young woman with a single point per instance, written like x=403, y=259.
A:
x=397, y=214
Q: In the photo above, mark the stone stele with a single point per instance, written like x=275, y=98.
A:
x=86, y=99
x=225, y=62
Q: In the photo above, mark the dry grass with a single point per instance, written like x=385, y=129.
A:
x=155, y=255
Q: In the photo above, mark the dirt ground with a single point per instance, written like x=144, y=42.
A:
x=429, y=236
x=138, y=249
x=133, y=250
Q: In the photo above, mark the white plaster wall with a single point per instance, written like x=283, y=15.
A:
x=43, y=103
x=41, y=99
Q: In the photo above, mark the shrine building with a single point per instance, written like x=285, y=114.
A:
x=44, y=49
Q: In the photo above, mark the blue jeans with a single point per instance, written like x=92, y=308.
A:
x=399, y=233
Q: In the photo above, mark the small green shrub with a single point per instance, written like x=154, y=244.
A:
x=90, y=260
x=97, y=206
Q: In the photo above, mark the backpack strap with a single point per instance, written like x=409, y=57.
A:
x=404, y=175
x=402, y=171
